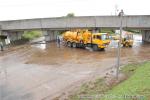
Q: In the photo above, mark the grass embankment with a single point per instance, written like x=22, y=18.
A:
x=135, y=87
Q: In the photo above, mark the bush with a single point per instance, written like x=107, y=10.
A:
x=32, y=34
x=107, y=31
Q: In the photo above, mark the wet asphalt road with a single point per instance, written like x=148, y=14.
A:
x=44, y=71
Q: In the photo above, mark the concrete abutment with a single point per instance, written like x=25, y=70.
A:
x=146, y=35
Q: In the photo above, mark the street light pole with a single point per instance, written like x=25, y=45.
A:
x=119, y=44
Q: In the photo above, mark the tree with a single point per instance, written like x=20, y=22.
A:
x=70, y=15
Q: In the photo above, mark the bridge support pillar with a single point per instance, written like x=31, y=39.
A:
x=146, y=35
x=46, y=35
x=13, y=35
x=96, y=30
x=51, y=35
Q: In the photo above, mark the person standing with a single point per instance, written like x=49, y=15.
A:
x=1, y=45
x=58, y=41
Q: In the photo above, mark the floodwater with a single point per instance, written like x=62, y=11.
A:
x=51, y=54
x=45, y=71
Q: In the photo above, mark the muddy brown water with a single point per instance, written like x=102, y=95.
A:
x=51, y=54
x=44, y=71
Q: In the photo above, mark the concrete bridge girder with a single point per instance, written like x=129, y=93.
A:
x=140, y=22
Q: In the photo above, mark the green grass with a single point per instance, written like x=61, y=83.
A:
x=107, y=31
x=90, y=89
x=130, y=69
x=137, y=84
x=133, y=31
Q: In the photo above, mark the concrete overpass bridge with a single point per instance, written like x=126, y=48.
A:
x=51, y=26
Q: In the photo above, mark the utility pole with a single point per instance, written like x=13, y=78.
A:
x=119, y=44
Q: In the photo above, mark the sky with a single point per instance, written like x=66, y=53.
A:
x=26, y=9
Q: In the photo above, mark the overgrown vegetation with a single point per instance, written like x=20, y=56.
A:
x=107, y=31
x=135, y=87
x=133, y=31
x=32, y=34
x=111, y=31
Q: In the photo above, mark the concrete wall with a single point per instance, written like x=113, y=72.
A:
x=50, y=35
x=139, y=22
x=146, y=35
x=13, y=35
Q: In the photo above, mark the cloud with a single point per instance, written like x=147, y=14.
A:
x=23, y=9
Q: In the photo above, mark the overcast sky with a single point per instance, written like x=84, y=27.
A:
x=25, y=9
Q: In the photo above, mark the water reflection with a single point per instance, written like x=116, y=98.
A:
x=40, y=45
x=54, y=55
x=137, y=41
x=114, y=43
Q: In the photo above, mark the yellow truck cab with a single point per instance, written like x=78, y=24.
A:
x=100, y=40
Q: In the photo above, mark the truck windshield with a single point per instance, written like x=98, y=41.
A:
x=104, y=37
x=98, y=37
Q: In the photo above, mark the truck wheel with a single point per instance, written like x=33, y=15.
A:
x=69, y=44
x=74, y=45
x=102, y=49
x=95, y=47
x=130, y=46
x=124, y=45
x=127, y=44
